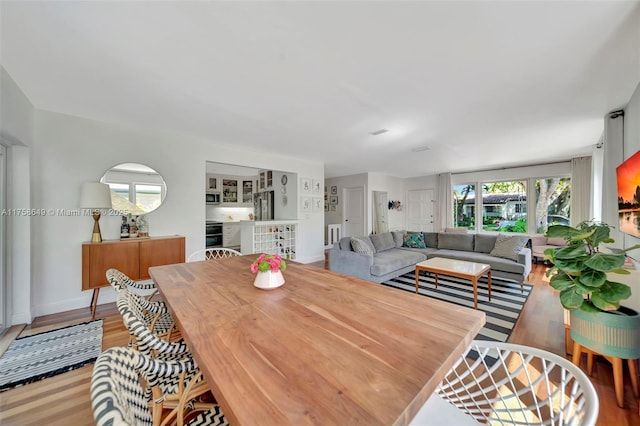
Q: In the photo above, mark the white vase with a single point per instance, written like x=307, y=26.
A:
x=268, y=280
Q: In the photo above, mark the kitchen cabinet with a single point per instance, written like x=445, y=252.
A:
x=212, y=183
x=247, y=192
x=132, y=256
x=271, y=237
x=229, y=191
x=231, y=235
x=266, y=179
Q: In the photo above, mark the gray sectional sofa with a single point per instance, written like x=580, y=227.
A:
x=385, y=257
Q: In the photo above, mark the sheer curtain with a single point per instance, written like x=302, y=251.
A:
x=445, y=202
x=580, y=190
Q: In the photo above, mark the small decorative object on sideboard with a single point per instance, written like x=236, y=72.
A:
x=268, y=269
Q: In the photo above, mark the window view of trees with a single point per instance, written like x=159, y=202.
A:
x=553, y=202
x=464, y=212
x=504, y=204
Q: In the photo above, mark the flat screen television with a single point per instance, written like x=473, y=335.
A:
x=628, y=177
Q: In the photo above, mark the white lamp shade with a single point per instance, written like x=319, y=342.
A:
x=95, y=195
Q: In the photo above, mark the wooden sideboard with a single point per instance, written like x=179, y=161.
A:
x=131, y=256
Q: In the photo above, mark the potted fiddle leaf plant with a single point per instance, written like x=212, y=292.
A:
x=585, y=276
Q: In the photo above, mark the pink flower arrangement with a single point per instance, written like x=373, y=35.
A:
x=266, y=262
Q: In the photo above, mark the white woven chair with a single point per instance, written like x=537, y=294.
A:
x=212, y=254
x=118, y=397
x=507, y=384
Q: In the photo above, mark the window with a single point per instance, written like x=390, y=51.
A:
x=148, y=197
x=553, y=202
x=504, y=206
x=464, y=199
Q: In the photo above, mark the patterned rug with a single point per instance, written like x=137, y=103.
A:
x=502, y=312
x=32, y=358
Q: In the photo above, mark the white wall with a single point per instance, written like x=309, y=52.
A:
x=16, y=132
x=70, y=150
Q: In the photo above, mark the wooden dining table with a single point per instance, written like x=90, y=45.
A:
x=324, y=348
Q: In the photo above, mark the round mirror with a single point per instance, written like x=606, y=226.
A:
x=135, y=188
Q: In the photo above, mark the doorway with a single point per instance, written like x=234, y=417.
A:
x=420, y=210
x=354, y=212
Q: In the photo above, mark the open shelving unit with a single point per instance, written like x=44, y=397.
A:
x=274, y=237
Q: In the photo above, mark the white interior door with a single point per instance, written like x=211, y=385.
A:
x=380, y=208
x=354, y=212
x=420, y=210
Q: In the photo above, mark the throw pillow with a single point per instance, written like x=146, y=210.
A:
x=431, y=239
x=383, y=242
x=398, y=237
x=508, y=246
x=414, y=241
x=455, y=241
x=360, y=246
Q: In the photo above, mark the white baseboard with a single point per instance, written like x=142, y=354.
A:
x=22, y=318
x=106, y=295
x=311, y=259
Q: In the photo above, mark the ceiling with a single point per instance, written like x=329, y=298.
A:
x=482, y=84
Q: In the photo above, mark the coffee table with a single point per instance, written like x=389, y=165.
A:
x=456, y=268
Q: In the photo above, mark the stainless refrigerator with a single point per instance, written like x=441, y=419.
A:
x=264, y=206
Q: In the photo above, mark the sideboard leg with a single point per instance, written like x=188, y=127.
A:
x=94, y=302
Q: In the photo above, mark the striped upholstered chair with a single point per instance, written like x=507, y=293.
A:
x=174, y=392
x=118, y=398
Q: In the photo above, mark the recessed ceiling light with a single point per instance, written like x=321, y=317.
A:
x=421, y=148
x=379, y=132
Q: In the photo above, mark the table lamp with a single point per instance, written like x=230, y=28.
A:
x=95, y=196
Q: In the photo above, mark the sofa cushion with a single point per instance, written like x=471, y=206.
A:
x=414, y=241
x=508, y=246
x=392, y=260
x=398, y=237
x=556, y=241
x=498, y=264
x=456, y=230
x=431, y=239
x=383, y=242
x=484, y=243
x=455, y=241
x=360, y=246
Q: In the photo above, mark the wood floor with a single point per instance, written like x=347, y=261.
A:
x=64, y=399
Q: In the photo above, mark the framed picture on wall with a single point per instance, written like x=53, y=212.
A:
x=305, y=185
x=334, y=190
x=317, y=185
x=333, y=200
x=332, y=208
x=317, y=204
x=305, y=204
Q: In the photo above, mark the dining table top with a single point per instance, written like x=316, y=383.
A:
x=324, y=348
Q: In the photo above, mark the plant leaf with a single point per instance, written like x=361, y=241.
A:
x=561, y=231
x=583, y=289
x=588, y=307
x=621, y=271
x=571, y=252
x=570, y=298
x=561, y=282
x=571, y=266
x=615, y=292
x=602, y=303
x=605, y=262
x=601, y=235
x=592, y=278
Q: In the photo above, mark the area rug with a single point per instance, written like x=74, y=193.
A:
x=502, y=312
x=32, y=358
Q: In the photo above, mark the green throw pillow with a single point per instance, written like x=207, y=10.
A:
x=414, y=241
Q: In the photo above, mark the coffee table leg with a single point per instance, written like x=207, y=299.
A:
x=489, y=283
x=417, y=278
x=436, y=279
x=475, y=293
